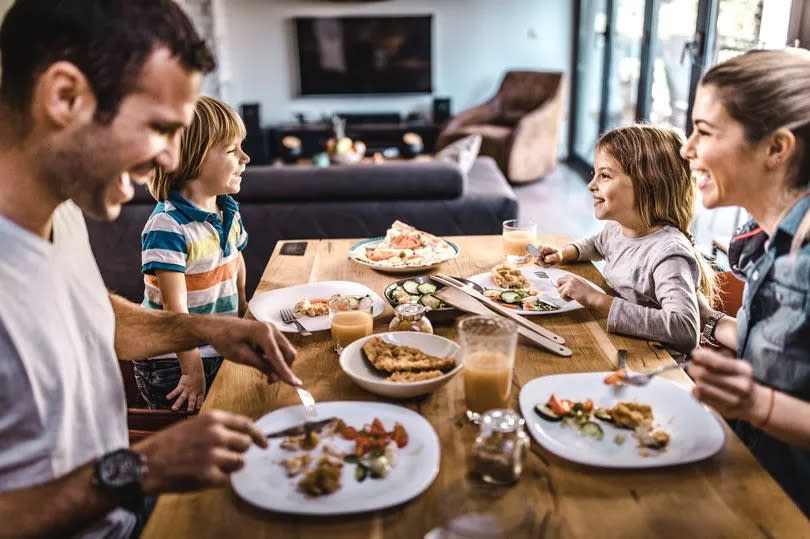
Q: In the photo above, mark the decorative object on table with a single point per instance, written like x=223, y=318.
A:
x=355, y=364
x=410, y=317
x=695, y=433
x=320, y=159
x=488, y=346
x=520, y=124
x=408, y=291
x=264, y=483
x=290, y=149
x=265, y=305
x=461, y=152
x=404, y=249
x=341, y=149
x=500, y=448
x=412, y=145
x=517, y=234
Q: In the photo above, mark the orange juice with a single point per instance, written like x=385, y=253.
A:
x=487, y=380
x=515, y=241
x=348, y=326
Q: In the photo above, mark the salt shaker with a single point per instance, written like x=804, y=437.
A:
x=500, y=448
x=410, y=317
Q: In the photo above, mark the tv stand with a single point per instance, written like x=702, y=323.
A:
x=355, y=118
x=377, y=136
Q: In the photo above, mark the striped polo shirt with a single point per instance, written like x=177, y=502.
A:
x=180, y=236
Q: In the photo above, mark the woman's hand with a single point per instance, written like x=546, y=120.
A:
x=727, y=385
x=190, y=390
x=549, y=256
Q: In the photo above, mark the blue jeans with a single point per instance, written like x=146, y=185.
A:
x=156, y=378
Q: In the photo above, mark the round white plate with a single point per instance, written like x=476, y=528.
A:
x=545, y=286
x=263, y=482
x=354, y=363
x=265, y=306
x=695, y=433
x=361, y=245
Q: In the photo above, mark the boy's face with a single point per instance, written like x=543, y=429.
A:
x=612, y=191
x=92, y=164
x=221, y=174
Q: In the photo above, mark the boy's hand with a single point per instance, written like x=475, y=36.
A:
x=549, y=256
x=571, y=288
x=190, y=390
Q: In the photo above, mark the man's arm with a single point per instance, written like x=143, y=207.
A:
x=142, y=333
x=198, y=452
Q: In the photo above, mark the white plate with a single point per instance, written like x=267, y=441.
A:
x=546, y=287
x=360, y=246
x=264, y=483
x=695, y=433
x=265, y=305
x=353, y=363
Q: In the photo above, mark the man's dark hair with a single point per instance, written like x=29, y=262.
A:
x=108, y=40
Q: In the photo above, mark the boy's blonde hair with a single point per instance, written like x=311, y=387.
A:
x=664, y=190
x=214, y=122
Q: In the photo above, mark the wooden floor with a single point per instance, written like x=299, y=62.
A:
x=559, y=203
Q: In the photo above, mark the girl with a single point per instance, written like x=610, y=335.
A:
x=644, y=188
x=191, y=250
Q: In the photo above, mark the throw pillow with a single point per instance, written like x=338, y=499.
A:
x=462, y=152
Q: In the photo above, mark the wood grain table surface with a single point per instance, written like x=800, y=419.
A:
x=728, y=495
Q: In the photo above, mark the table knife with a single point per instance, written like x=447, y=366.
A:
x=307, y=426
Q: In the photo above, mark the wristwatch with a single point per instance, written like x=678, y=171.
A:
x=119, y=473
x=707, y=335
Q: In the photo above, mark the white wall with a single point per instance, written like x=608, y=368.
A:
x=474, y=43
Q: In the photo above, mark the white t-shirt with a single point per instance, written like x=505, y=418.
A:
x=62, y=400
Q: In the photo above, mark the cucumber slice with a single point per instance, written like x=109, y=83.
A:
x=546, y=413
x=510, y=297
x=493, y=293
x=602, y=414
x=411, y=287
x=354, y=302
x=426, y=288
x=592, y=429
x=523, y=292
x=431, y=301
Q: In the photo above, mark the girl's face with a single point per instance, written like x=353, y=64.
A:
x=221, y=174
x=612, y=191
x=728, y=168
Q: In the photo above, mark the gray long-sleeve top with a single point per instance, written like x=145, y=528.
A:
x=656, y=278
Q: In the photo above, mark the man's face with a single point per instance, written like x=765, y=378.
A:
x=94, y=164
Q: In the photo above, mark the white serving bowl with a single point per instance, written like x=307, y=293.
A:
x=354, y=363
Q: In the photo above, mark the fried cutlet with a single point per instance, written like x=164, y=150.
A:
x=631, y=414
x=418, y=376
x=390, y=357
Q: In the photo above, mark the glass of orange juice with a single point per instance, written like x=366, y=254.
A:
x=517, y=233
x=488, y=346
x=350, y=318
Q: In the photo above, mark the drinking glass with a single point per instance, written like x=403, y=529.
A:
x=488, y=352
x=517, y=233
x=350, y=318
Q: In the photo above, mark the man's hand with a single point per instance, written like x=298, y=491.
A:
x=198, y=452
x=190, y=390
x=257, y=344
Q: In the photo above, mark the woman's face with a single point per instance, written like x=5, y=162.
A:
x=729, y=170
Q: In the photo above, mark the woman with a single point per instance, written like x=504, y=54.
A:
x=749, y=148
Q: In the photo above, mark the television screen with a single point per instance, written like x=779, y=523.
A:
x=361, y=55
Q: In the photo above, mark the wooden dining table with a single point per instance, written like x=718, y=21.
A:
x=727, y=495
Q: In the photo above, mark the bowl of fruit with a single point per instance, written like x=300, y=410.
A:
x=345, y=151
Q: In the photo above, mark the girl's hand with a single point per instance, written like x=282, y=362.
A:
x=190, y=390
x=571, y=288
x=549, y=256
x=727, y=385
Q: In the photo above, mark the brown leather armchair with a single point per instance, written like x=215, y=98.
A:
x=519, y=125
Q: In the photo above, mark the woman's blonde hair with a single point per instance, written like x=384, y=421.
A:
x=664, y=190
x=214, y=122
x=766, y=90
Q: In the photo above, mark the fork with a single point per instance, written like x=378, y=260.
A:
x=642, y=379
x=308, y=401
x=288, y=318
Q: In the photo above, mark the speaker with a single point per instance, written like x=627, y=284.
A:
x=251, y=116
x=441, y=109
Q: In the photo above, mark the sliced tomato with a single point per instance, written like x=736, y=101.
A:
x=377, y=428
x=400, y=436
x=361, y=445
x=348, y=432
x=587, y=406
x=558, y=406
x=615, y=377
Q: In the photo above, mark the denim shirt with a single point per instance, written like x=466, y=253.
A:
x=773, y=335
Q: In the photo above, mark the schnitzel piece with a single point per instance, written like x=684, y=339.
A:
x=405, y=376
x=510, y=277
x=390, y=357
x=324, y=479
x=631, y=414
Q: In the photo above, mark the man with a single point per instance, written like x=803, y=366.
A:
x=94, y=94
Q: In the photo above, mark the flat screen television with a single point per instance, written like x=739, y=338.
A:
x=364, y=55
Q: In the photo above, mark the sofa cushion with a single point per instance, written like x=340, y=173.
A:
x=461, y=152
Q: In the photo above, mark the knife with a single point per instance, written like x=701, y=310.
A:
x=307, y=426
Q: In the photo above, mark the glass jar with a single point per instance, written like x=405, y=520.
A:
x=500, y=448
x=410, y=317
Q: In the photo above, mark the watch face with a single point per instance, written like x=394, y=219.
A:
x=119, y=468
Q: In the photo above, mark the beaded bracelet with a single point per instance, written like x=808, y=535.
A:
x=770, y=410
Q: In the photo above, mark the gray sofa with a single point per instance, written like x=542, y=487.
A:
x=302, y=202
